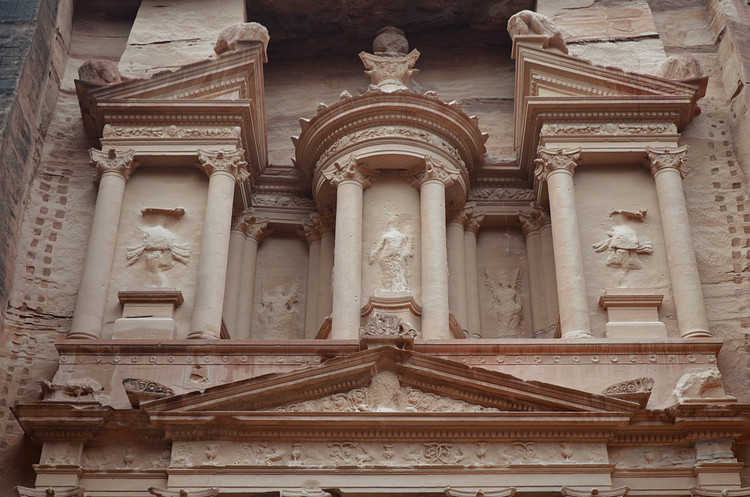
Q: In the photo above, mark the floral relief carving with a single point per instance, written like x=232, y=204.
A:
x=169, y=132
x=112, y=160
x=388, y=325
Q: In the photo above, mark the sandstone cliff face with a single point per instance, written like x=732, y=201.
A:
x=47, y=211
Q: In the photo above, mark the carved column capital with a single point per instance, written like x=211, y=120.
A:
x=351, y=171
x=231, y=162
x=532, y=219
x=474, y=222
x=310, y=230
x=113, y=161
x=324, y=221
x=434, y=172
x=461, y=215
x=550, y=160
x=660, y=159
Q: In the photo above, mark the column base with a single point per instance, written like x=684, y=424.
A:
x=576, y=334
x=697, y=334
x=81, y=335
x=202, y=335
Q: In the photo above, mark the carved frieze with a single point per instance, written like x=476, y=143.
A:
x=268, y=200
x=608, y=129
x=126, y=456
x=501, y=194
x=636, y=390
x=376, y=454
x=171, y=131
x=655, y=456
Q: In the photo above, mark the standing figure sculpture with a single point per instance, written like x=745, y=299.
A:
x=392, y=254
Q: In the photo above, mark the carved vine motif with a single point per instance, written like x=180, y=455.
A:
x=505, y=301
x=392, y=254
x=623, y=243
x=169, y=131
x=436, y=453
x=388, y=325
x=278, y=309
x=348, y=454
x=638, y=385
x=615, y=129
x=501, y=194
x=158, y=249
x=385, y=394
x=281, y=201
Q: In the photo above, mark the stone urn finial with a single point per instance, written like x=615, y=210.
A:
x=390, y=68
x=390, y=41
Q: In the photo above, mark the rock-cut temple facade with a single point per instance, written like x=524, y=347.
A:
x=359, y=249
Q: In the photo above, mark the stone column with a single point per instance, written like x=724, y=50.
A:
x=313, y=276
x=223, y=169
x=432, y=181
x=531, y=225
x=550, y=278
x=234, y=273
x=255, y=231
x=325, y=222
x=350, y=180
x=666, y=166
x=473, y=222
x=457, y=265
x=113, y=170
x=556, y=168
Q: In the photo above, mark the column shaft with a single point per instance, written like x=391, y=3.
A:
x=550, y=279
x=234, y=277
x=347, y=265
x=325, y=280
x=434, y=261
x=92, y=294
x=472, y=273
x=683, y=269
x=537, y=291
x=457, y=272
x=247, y=289
x=313, y=283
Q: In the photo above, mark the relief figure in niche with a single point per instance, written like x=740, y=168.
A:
x=159, y=249
x=392, y=254
x=278, y=310
x=505, y=301
x=623, y=243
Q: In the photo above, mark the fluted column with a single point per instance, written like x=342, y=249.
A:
x=312, y=235
x=234, y=273
x=325, y=223
x=113, y=170
x=666, y=166
x=223, y=169
x=432, y=181
x=457, y=264
x=550, y=278
x=556, y=168
x=350, y=180
x=531, y=225
x=255, y=231
x=473, y=223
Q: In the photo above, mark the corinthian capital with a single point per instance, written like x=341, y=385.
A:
x=324, y=222
x=229, y=162
x=532, y=219
x=460, y=216
x=550, y=160
x=660, y=159
x=434, y=172
x=310, y=230
x=351, y=171
x=473, y=222
x=113, y=161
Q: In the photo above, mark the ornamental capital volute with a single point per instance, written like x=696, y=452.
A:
x=461, y=215
x=251, y=226
x=533, y=219
x=474, y=222
x=310, y=231
x=231, y=162
x=550, y=160
x=113, y=161
x=350, y=171
x=434, y=171
x=667, y=158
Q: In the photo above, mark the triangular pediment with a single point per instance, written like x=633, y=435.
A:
x=388, y=380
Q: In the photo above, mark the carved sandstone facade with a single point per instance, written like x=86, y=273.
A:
x=421, y=301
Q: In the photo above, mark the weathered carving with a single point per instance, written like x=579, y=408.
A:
x=714, y=450
x=259, y=454
x=502, y=194
x=251, y=226
x=433, y=171
x=231, y=162
x=660, y=159
x=59, y=454
x=623, y=243
x=533, y=219
x=278, y=310
x=481, y=492
x=680, y=67
x=609, y=129
x=390, y=41
x=388, y=325
x=653, y=457
x=636, y=390
x=393, y=253
x=528, y=22
x=171, y=131
x=436, y=453
x=265, y=200
x=244, y=31
x=98, y=457
x=160, y=492
x=351, y=171
x=139, y=390
x=158, y=249
x=99, y=72
x=557, y=159
x=505, y=301
x=724, y=492
x=695, y=384
x=391, y=68
x=49, y=492
x=325, y=221
x=594, y=492
x=385, y=394
x=309, y=230
x=120, y=162
x=72, y=389
x=474, y=222
x=348, y=454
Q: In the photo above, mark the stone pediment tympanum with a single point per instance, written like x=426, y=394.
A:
x=389, y=379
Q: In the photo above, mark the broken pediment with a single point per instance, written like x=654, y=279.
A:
x=387, y=379
x=212, y=103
